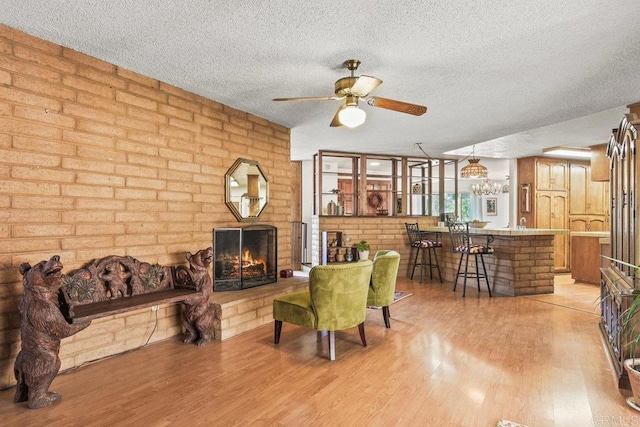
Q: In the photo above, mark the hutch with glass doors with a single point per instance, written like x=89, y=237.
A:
x=358, y=184
x=619, y=284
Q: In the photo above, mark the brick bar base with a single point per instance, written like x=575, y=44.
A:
x=520, y=265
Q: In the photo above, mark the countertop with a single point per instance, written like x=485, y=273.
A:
x=505, y=231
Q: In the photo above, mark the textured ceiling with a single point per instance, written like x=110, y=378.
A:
x=504, y=72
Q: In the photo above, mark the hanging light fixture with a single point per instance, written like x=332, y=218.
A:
x=474, y=169
x=350, y=115
x=487, y=188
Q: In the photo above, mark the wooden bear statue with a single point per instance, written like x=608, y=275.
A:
x=197, y=317
x=42, y=328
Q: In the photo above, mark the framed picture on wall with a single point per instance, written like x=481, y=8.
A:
x=492, y=206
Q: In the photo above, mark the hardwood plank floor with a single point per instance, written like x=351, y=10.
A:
x=446, y=361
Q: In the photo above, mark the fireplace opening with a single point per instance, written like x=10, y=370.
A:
x=244, y=257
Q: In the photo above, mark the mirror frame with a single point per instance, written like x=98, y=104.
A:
x=227, y=196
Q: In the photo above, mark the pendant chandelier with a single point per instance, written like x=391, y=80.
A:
x=474, y=169
x=487, y=188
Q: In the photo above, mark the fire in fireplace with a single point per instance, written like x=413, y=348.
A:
x=244, y=257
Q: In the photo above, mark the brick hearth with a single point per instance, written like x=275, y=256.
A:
x=236, y=312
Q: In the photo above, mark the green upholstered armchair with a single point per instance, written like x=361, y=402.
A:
x=383, y=282
x=336, y=299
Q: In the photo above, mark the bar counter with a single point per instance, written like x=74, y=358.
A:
x=522, y=262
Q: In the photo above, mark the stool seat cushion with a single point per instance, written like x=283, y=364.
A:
x=475, y=249
x=427, y=244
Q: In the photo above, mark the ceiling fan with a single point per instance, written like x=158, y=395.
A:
x=354, y=88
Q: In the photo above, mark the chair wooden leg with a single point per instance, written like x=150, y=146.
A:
x=485, y=275
x=277, y=328
x=386, y=316
x=362, y=337
x=332, y=345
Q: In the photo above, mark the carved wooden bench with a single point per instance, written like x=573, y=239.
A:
x=117, y=284
x=55, y=306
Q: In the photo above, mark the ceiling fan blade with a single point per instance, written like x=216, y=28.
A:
x=364, y=85
x=403, y=107
x=336, y=121
x=309, y=98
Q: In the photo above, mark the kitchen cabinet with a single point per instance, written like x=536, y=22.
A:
x=551, y=174
x=588, y=223
x=562, y=195
x=589, y=201
x=587, y=196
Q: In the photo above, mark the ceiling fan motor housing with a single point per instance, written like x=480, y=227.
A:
x=344, y=85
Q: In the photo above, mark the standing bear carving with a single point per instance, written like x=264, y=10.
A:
x=42, y=328
x=197, y=317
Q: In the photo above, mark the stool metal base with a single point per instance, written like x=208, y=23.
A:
x=471, y=274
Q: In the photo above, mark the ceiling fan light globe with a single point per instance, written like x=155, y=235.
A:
x=352, y=116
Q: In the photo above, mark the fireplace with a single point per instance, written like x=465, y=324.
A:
x=244, y=257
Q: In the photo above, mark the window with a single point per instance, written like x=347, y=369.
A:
x=468, y=207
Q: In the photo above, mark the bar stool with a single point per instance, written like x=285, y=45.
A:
x=461, y=243
x=424, y=246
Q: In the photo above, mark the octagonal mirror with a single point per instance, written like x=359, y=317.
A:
x=246, y=190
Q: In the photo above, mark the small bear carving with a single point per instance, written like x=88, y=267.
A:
x=116, y=280
x=42, y=328
x=197, y=318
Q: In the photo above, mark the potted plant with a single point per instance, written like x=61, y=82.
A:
x=632, y=365
x=363, y=249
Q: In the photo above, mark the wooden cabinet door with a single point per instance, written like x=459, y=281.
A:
x=598, y=200
x=551, y=212
x=598, y=223
x=544, y=206
x=588, y=223
x=579, y=188
x=551, y=175
x=586, y=196
x=551, y=209
x=578, y=224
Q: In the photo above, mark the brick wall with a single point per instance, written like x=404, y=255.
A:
x=98, y=160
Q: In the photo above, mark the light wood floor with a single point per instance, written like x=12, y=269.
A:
x=446, y=361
